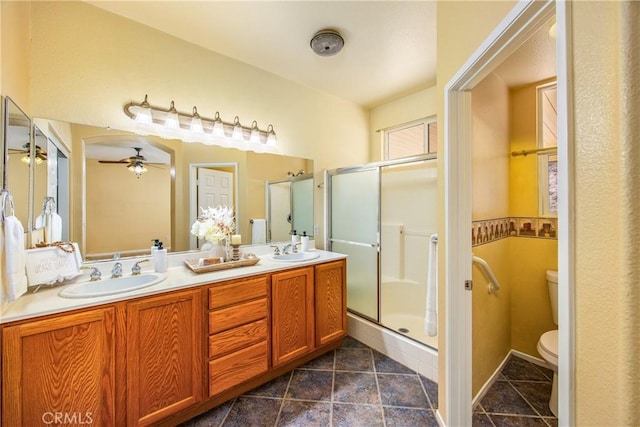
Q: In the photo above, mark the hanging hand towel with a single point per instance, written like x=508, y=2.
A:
x=431, y=315
x=16, y=278
x=259, y=231
x=55, y=228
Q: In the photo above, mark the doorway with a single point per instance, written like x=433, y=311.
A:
x=511, y=33
x=211, y=185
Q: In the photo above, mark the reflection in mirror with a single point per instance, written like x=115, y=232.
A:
x=51, y=200
x=290, y=207
x=18, y=159
x=114, y=217
x=127, y=200
x=40, y=175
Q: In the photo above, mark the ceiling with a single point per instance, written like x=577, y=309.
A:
x=390, y=46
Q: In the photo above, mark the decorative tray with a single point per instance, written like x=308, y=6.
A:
x=207, y=267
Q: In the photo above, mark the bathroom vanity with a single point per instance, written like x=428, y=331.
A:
x=164, y=354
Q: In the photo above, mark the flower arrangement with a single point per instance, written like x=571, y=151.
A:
x=214, y=224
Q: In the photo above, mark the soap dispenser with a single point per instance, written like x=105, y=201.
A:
x=160, y=258
x=156, y=242
x=294, y=237
x=305, y=241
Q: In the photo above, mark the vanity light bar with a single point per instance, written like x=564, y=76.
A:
x=171, y=119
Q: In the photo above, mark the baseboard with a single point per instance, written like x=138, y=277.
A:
x=492, y=379
x=487, y=385
x=529, y=358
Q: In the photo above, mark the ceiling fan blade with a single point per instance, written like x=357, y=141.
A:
x=114, y=161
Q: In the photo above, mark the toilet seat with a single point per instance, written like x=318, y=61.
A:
x=548, y=347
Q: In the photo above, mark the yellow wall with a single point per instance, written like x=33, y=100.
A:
x=418, y=105
x=490, y=177
x=606, y=101
x=100, y=61
x=454, y=48
x=529, y=258
x=15, y=41
x=140, y=214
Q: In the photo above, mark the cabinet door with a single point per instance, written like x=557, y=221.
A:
x=164, y=356
x=292, y=314
x=331, y=302
x=60, y=370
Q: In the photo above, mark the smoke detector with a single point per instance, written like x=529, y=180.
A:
x=327, y=42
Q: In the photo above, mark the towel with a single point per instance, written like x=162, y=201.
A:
x=16, y=279
x=259, y=231
x=52, y=224
x=431, y=316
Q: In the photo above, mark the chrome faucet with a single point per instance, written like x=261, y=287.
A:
x=290, y=247
x=136, y=269
x=276, y=249
x=116, y=271
x=95, y=273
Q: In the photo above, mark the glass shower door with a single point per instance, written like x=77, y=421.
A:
x=354, y=197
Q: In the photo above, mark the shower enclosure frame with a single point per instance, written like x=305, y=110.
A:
x=329, y=240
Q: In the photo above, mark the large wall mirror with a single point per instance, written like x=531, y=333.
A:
x=17, y=158
x=128, y=189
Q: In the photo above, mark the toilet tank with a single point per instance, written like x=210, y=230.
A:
x=552, y=283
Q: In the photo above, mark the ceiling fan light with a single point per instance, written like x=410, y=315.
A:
x=137, y=168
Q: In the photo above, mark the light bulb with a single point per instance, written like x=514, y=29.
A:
x=172, y=121
x=196, y=122
x=237, y=130
x=218, y=126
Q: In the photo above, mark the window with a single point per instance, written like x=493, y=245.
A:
x=411, y=139
x=547, y=159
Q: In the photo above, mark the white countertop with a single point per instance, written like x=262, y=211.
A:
x=47, y=301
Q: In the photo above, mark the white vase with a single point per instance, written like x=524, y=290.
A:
x=215, y=249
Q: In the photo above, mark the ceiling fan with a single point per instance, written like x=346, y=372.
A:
x=40, y=154
x=137, y=163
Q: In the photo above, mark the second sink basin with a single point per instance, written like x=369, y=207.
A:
x=296, y=257
x=111, y=286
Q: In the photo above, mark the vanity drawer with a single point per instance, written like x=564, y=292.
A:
x=236, y=315
x=235, y=368
x=236, y=338
x=237, y=291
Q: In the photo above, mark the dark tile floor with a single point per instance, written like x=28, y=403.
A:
x=519, y=397
x=356, y=386
x=351, y=386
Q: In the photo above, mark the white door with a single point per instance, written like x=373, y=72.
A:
x=215, y=188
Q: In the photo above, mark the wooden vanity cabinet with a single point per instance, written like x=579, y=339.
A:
x=60, y=370
x=164, y=355
x=238, y=332
x=292, y=327
x=154, y=360
x=330, y=301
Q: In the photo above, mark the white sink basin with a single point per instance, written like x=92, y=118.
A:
x=111, y=286
x=296, y=257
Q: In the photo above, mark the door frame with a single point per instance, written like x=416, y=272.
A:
x=193, y=192
x=524, y=19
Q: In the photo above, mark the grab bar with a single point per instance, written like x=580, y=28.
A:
x=493, y=282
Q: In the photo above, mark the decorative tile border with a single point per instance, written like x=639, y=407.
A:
x=490, y=230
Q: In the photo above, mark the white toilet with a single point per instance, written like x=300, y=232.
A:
x=548, y=342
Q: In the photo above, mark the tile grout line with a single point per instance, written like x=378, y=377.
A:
x=283, y=397
x=375, y=375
